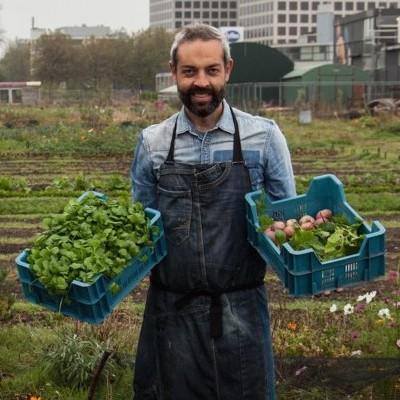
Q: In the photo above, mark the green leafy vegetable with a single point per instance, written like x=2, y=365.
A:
x=91, y=237
x=330, y=240
x=263, y=218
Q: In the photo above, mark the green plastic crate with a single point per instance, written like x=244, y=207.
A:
x=301, y=272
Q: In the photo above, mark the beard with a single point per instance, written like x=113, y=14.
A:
x=201, y=109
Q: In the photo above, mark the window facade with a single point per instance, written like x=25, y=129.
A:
x=265, y=21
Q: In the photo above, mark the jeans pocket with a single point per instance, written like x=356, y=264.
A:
x=176, y=209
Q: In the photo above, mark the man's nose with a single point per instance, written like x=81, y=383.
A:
x=201, y=79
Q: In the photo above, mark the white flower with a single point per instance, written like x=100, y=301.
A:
x=369, y=296
x=384, y=313
x=348, y=309
x=361, y=298
x=356, y=353
x=333, y=308
x=300, y=371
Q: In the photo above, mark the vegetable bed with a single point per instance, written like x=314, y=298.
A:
x=100, y=282
x=302, y=272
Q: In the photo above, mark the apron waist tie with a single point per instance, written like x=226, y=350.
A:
x=216, y=326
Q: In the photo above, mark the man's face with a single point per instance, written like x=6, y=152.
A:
x=201, y=75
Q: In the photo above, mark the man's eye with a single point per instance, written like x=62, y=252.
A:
x=187, y=72
x=213, y=71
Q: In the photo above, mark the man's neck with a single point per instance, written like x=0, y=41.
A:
x=204, y=124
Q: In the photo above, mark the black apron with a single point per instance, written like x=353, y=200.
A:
x=205, y=333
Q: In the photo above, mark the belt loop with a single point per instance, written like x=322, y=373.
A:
x=216, y=316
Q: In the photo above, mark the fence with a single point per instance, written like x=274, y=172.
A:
x=321, y=97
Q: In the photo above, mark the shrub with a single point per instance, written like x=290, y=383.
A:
x=71, y=360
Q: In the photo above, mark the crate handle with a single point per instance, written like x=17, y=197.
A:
x=155, y=214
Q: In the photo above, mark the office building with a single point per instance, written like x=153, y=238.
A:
x=173, y=14
x=271, y=22
x=275, y=22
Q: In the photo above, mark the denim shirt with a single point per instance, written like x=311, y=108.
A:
x=264, y=150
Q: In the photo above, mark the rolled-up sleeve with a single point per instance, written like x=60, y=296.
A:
x=144, y=182
x=279, y=177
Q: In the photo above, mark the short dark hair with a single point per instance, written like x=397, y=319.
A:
x=198, y=31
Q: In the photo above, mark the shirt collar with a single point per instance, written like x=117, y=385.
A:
x=225, y=123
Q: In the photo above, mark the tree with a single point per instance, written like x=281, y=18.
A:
x=54, y=59
x=15, y=64
x=97, y=55
x=150, y=56
x=121, y=62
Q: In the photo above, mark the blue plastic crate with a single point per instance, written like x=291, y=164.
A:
x=302, y=272
x=93, y=302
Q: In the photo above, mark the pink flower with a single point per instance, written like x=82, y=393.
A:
x=355, y=335
x=359, y=308
x=392, y=276
x=398, y=343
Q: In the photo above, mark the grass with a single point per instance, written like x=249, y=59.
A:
x=363, y=154
x=43, y=205
x=22, y=350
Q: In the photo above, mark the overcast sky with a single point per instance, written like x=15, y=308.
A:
x=16, y=15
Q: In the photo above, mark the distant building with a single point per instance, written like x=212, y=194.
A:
x=275, y=22
x=370, y=40
x=85, y=32
x=173, y=14
x=78, y=33
x=20, y=92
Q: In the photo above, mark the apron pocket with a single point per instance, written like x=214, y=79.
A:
x=256, y=174
x=176, y=209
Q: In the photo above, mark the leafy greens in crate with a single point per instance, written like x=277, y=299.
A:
x=91, y=237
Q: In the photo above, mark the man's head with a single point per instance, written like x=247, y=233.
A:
x=201, y=65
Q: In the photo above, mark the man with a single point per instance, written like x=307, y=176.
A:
x=206, y=332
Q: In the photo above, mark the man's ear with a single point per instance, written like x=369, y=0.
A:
x=228, y=69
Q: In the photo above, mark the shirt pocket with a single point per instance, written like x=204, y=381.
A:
x=256, y=173
x=176, y=210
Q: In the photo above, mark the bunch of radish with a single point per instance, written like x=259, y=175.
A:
x=282, y=231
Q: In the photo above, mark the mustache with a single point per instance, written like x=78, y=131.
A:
x=200, y=90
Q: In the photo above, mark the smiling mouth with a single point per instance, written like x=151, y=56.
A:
x=202, y=96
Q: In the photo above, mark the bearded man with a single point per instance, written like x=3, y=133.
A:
x=206, y=331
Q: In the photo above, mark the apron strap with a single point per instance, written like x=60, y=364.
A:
x=237, y=147
x=170, y=157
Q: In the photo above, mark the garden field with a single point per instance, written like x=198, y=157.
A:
x=51, y=155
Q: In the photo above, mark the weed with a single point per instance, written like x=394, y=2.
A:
x=71, y=360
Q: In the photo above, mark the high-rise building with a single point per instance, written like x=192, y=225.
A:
x=275, y=22
x=173, y=14
x=272, y=22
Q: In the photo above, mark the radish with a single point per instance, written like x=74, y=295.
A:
x=270, y=233
x=324, y=214
x=319, y=221
x=307, y=226
x=289, y=231
x=291, y=222
x=306, y=218
x=278, y=225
